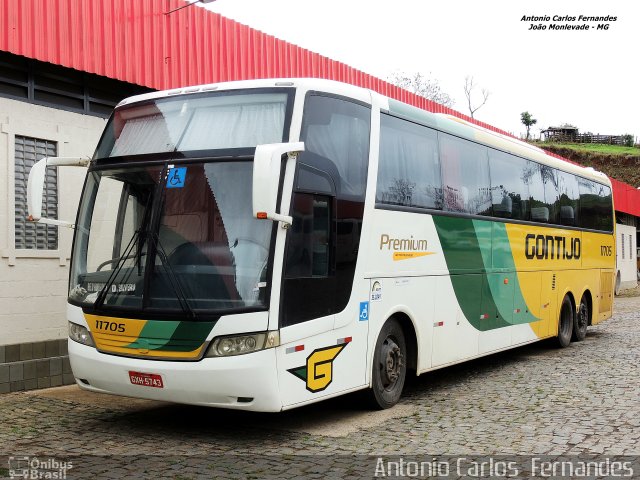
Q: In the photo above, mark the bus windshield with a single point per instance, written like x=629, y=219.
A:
x=225, y=120
x=170, y=237
x=165, y=237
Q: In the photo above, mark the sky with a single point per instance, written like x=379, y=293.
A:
x=585, y=78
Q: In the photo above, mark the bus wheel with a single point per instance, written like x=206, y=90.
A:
x=582, y=321
x=389, y=366
x=565, y=323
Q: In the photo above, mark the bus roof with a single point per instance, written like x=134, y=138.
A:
x=307, y=83
x=443, y=122
x=461, y=128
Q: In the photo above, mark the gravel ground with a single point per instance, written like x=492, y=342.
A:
x=535, y=400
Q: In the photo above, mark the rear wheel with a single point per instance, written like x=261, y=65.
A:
x=565, y=323
x=389, y=366
x=582, y=321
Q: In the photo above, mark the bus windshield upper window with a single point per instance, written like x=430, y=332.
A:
x=195, y=123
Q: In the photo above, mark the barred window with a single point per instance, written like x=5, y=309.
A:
x=30, y=235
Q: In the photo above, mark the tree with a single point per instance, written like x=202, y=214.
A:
x=422, y=85
x=468, y=90
x=528, y=121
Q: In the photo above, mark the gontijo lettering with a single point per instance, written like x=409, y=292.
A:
x=551, y=247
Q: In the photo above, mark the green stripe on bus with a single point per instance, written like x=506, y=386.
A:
x=459, y=244
x=155, y=334
x=502, y=256
x=172, y=336
x=471, y=248
x=189, y=336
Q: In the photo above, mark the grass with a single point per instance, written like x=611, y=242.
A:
x=614, y=160
x=599, y=148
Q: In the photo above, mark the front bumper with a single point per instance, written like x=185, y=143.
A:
x=247, y=382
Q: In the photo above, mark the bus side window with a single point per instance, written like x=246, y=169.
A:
x=465, y=176
x=337, y=131
x=329, y=194
x=595, y=205
x=409, y=165
x=569, y=197
x=310, y=280
x=308, y=253
x=551, y=194
x=509, y=191
x=539, y=208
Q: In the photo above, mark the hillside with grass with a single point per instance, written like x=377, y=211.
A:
x=621, y=163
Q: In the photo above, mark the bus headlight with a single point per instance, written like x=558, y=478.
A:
x=80, y=334
x=241, y=344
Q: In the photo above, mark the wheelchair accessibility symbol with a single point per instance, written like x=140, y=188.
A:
x=364, y=311
x=176, y=177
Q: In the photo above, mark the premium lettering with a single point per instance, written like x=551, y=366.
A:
x=410, y=244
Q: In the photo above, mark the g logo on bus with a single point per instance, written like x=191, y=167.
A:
x=318, y=372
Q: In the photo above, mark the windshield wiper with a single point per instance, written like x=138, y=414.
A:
x=176, y=285
x=156, y=249
x=146, y=219
x=137, y=239
x=148, y=233
x=102, y=295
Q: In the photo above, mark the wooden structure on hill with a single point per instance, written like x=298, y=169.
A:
x=570, y=134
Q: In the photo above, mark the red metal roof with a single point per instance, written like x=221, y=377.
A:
x=626, y=198
x=134, y=41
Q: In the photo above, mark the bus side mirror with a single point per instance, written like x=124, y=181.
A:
x=266, y=178
x=35, y=187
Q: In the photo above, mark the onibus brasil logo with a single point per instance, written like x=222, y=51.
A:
x=318, y=371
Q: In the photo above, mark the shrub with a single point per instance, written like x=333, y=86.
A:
x=627, y=140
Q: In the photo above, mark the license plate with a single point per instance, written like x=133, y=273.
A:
x=146, y=379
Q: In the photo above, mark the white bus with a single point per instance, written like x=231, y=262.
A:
x=263, y=245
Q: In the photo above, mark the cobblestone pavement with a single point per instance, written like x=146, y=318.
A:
x=539, y=400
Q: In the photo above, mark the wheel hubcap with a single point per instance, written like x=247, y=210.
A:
x=391, y=363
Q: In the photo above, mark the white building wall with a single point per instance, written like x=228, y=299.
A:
x=626, y=257
x=33, y=283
